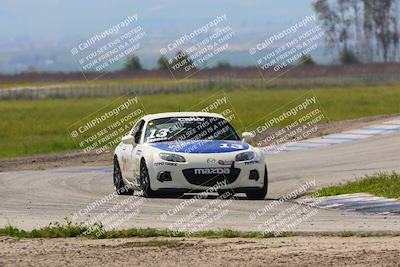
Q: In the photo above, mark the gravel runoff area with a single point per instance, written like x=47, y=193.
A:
x=289, y=251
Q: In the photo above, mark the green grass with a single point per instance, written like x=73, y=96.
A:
x=29, y=127
x=358, y=234
x=69, y=229
x=382, y=185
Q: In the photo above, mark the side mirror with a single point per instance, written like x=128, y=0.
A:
x=128, y=139
x=247, y=136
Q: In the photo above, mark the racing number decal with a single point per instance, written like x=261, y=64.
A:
x=234, y=146
x=161, y=133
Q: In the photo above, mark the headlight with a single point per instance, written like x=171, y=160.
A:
x=245, y=156
x=172, y=157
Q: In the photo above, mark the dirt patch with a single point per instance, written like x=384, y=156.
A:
x=297, y=251
x=67, y=159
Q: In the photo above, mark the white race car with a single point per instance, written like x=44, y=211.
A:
x=185, y=152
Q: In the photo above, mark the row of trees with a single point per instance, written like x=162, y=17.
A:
x=181, y=59
x=361, y=30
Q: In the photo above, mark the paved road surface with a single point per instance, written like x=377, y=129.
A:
x=31, y=199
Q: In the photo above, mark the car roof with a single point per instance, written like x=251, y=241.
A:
x=180, y=114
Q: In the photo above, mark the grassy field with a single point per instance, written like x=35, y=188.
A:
x=381, y=185
x=30, y=127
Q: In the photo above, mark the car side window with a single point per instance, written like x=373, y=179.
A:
x=137, y=131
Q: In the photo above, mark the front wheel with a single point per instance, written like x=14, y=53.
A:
x=145, y=181
x=259, y=194
x=118, y=182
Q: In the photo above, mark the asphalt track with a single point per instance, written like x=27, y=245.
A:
x=31, y=199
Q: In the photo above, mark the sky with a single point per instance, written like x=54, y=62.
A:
x=43, y=32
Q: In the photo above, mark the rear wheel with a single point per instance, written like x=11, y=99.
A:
x=259, y=194
x=118, y=182
x=145, y=181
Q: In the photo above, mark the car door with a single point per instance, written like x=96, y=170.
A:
x=124, y=154
x=137, y=152
x=134, y=152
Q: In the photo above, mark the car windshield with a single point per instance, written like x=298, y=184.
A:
x=189, y=128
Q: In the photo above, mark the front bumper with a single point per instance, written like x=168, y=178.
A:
x=198, y=175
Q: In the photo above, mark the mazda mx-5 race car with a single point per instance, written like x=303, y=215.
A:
x=185, y=152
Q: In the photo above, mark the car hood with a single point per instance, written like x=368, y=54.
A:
x=201, y=146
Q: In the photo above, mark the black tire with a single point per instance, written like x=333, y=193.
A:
x=261, y=193
x=118, y=182
x=145, y=181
